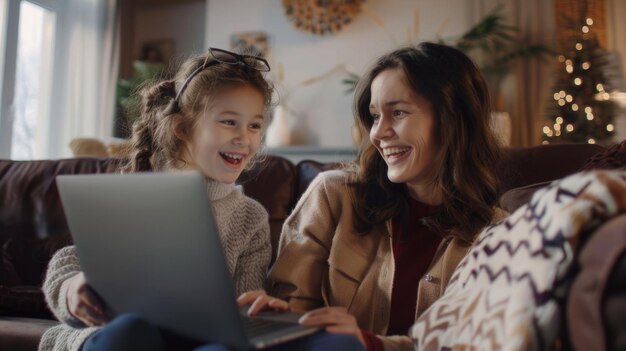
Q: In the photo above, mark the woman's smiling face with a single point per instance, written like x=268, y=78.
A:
x=403, y=129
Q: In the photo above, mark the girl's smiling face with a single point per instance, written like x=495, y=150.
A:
x=227, y=134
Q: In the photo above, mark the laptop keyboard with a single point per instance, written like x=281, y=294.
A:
x=257, y=326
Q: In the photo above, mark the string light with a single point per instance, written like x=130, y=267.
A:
x=569, y=98
x=600, y=87
x=590, y=117
x=574, y=107
x=569, y=68
x=586, y=65
x=579, y=46
x=589, y=21
x=557, y=127
x=559, y=120
x=546, y=130
x=585, y=29
x=591, y=141
x=569, y=128
x=562, y=93
x=578, y=81
x=545, y=142
x=561, y=102
x=556, y=96
x=561, y=58
x=569, y=62
x=587, y=109
x=610, y=127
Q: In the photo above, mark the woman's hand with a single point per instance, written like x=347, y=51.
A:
x=83, y=304
x=337, y=320
x=259, y=300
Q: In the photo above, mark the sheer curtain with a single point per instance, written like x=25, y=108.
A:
x=86, y=70
x=525, y=91
x=617, y=42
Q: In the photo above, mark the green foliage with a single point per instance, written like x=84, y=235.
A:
x=351, y=82
x=497, y=46
x=490, y=34
x=126, y=94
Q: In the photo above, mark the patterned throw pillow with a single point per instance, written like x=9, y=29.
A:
x=503, y=295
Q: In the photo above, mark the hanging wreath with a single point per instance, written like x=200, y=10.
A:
x=321, y=17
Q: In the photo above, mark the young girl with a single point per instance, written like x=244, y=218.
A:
x=209, y=118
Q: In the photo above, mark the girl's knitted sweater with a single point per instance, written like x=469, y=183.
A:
x=244, y=230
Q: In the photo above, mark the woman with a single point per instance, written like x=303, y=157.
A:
x=368, y=248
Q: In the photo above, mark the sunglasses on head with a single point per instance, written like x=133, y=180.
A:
x=216, y=56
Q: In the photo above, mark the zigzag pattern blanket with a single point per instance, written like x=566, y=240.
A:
x=503, y=295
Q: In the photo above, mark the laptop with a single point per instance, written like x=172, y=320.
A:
x=148, y=244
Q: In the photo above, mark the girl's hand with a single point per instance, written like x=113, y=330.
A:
x=259, y=300
x=83, y=304
x=336, y=319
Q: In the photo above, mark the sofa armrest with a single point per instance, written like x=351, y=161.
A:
x=22, y=334
x=596, y=303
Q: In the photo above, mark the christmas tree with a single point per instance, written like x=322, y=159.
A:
x=580, y=109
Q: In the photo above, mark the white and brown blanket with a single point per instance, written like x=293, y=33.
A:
x=503, y=295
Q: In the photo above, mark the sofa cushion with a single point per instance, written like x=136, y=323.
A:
x=572, y=158
x=307, y=171
x=272, y=184
x=29, y=200
x=23, y=301
x=537, y=164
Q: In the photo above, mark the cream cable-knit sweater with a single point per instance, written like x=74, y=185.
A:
x=244, y=230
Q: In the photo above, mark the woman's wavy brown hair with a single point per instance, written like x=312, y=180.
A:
x=154, y=144
x=450, y=81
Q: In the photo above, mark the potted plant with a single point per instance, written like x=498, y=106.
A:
x=127, y=99
x=495, y=47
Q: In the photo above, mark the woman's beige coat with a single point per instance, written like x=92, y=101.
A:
x=322, y=261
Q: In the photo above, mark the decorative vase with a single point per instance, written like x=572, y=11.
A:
x=279, y=131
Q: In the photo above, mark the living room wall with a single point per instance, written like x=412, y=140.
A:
x=323, y=108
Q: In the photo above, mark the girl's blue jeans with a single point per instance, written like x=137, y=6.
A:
x=130, y=332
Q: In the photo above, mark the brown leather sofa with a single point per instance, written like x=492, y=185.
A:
x=33, y=227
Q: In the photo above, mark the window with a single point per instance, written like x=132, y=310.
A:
x=28, y=34
x=32, y=81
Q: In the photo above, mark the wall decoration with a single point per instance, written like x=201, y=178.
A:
x=250, y=43
x=321, y=17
